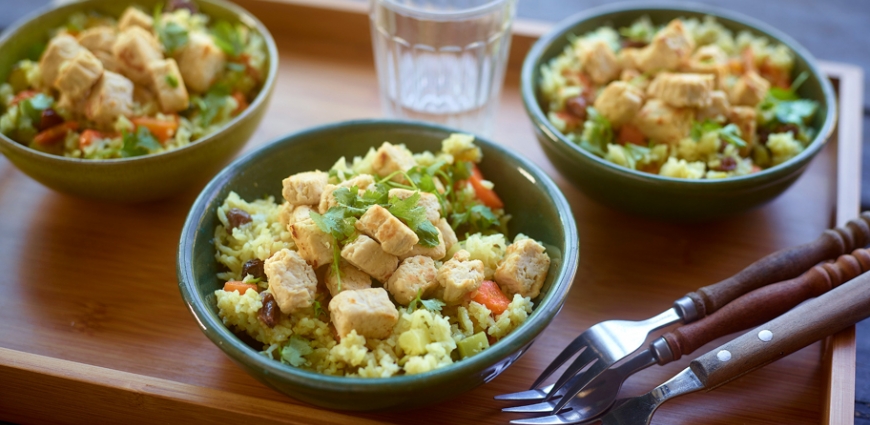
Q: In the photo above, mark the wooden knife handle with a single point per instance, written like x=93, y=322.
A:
x=766, y=303
x=784, y=264
x=807, y=323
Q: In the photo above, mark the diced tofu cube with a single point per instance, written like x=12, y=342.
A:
x=662, y=123
x=110, y=98
x=749, y=89
x=710, y=59
x=390, y=158
x=367, y=255
x=394, y=236
x=60, y=49
x=98, y=39
x=367, y=311
x=459, y=276
x=200, y=61
x=415, y=274
x=436, y=252
x=600, y=62
x=134, y=49
x=77, y=75
x=304, y=188
x=427, y=201
x=523, y=269
x=682, y=90
x=745, y=118
x=314, y=245
x=327, y=200
x=447, y=234
x=285, y=215
x=717, y=110
x=167, y=83
x=619, y=102
x=291, y=281
x=297, y=213
x=133, y=17
x=108, y=60
x=628, y=57
x=670, y=47
x=352, y=279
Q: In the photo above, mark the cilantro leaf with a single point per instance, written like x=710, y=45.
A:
x=790, y=93
x=318, y=309
x=480, y=218
x=142, y=142
x=597, y=132
x=701, y=128
x=295, y=351
x=731, y=134
x=796, y=112
x=228, y=38
x=172, y=35
x=428, y=234
x=431, y=304
x=32, y=107
x=210, y=104
x=172, y=81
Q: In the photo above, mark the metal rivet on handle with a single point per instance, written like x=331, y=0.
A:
x=724, y=355
x=765, y=335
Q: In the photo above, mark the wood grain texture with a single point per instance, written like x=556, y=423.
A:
x=834, y=311
x=766, y=303
x=90, y=289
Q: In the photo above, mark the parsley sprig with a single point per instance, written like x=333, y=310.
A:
x=431, y=305
x=138, y=143
x=172, y=35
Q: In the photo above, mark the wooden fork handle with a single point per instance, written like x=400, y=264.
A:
x=766, y=303
x=807, y=323
x=784, y=264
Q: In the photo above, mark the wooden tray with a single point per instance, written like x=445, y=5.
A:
x=93, y=329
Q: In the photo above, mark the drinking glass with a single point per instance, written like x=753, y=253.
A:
x=442, y=60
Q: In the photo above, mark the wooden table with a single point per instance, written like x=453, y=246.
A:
x=93, y=329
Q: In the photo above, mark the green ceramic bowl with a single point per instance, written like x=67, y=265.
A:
x=655, y=195
x=140, y=178
x=537, y=206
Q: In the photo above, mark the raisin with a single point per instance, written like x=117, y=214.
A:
x=576, y=106
x=254, y=268
x=269, y=313
x=237, y=217
x=726, y=164
x=49, y=119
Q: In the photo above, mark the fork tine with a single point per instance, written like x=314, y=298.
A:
x=530, y=395
x=573, y=388
x=542, y=407
x=577, y=345
x=586, y=358
x=571, y=417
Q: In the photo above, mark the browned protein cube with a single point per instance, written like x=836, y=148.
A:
x=663, y=123
x=367, y=311
x=394, y=236
x=168, y=85
x=415, y=274
x=313, y=244
x=390, y=158
x=749, y=89
x=436, y=252
x=427, y=200
x=352, y=279
x=200, y=61
x=60, y=49
x=619, y=102
x=669, y=48
x=327, y=199
x=367, y=255
x=459, y=276
x=600, y=62
x=523, y=269
x=304, y=188
x=682, y=90
x=134, y=49
x=77, y=75
x=291, y=281
x=133, y=17
x=110, y=98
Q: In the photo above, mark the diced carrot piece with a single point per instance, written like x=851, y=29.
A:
x=485, y=194
x=162, y=130
x=490, y=295
x=240, y=287
x=26, y=94
x=87, y=138
x=241, y=101
x=55, y=134
x=631, y=134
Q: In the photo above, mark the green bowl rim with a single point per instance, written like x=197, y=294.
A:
x=212, y=326
x=528, y=88
x=243, y=15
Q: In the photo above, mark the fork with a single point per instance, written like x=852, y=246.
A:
x=822, y=316
x=608, y=342
x=749, y=311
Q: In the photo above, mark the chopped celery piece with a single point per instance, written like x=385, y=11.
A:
x=472, y=345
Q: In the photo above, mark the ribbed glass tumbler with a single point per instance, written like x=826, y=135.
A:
x=442, y=60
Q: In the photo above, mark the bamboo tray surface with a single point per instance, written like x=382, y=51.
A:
x=93, y=329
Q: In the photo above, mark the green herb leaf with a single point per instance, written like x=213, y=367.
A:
x=172, y=81
x=318, y=309
x=796, y=112
x=597, y=133
x=228, y=38
x=142, y=142
x=295, y=351
x=731, y=134
x=236, y=67
x=172, y=35
x=701, y=128
x=431, y=304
